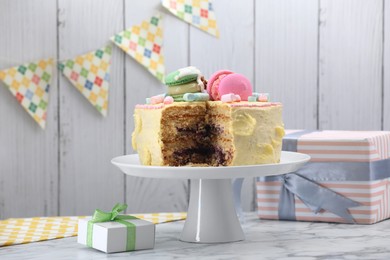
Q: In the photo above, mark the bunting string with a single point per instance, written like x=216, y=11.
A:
x=89, y=73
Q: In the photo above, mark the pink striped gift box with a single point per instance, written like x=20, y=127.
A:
x=344, y=146
x=350, y=168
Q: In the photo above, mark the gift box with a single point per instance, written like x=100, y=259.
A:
x=346, y=181
x=110, y=232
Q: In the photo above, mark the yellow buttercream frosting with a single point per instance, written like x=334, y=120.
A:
x=243, y=124
x=146, y=136
x=247, y=134
x=258, y=134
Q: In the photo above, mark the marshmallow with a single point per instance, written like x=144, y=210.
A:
x=263, y=97
x=156, y=99
x=228, y=98
x=196, y=97
x=252, y=98
x=168, y=100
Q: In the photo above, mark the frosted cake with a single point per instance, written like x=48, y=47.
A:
x=216, y=123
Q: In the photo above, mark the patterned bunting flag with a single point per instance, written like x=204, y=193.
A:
x=90, y=74
x=30, y=84
x=144, y=43
x=199, y=13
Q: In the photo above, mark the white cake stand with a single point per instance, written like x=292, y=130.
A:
x=211, y=216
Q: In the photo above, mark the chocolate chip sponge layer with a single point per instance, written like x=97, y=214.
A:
x=208, y=133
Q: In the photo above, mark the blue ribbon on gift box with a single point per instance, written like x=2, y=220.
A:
x=303, y=183
x=314, y=196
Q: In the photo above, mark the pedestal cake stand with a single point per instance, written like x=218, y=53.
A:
x=211, y=216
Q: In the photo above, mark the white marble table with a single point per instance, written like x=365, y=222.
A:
x=264, y=240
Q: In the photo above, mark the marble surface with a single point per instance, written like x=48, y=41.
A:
x=265, y=239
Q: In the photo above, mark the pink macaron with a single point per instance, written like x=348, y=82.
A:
x=225, y=82
x=213, y=83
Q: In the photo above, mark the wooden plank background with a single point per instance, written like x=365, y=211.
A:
x=89, y=141
x=328, y=61
x=28, y=155
x=350, y=64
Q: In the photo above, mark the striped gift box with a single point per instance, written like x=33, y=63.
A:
x=344, y=146
x=343, y=162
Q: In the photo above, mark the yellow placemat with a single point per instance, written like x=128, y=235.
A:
x=15, y=231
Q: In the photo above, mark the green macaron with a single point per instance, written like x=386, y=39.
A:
x=178, y=98
x=182, y=76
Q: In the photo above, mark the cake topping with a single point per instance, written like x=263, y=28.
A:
x=178, y=98
x=188, y=85
x=196, y=97
x=229, y=98
x=226, y=82
x=191, y=87
x=182, y=76
x=168, y=100
x=156, y=100
x=213, y=83
x=261, y=97
x=186, y=80
x=252, y=98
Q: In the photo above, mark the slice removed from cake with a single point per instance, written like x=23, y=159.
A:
x=208, y=133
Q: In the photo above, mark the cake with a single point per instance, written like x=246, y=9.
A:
x=216, y=123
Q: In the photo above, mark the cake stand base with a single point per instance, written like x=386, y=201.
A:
x=211, y=216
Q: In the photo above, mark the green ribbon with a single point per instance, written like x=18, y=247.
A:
x=100, y=216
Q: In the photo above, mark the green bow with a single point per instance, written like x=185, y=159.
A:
x=101, y=216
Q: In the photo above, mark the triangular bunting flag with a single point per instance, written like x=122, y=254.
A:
x=90, y=74
x=199, y=13
x=144, y=43
x=30, y=84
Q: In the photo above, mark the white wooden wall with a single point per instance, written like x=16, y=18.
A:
x=328, y=61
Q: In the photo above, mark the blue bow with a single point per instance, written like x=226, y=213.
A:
x=314, y=196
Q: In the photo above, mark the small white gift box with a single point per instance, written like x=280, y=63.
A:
x=110, y=232
x=111, y=237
